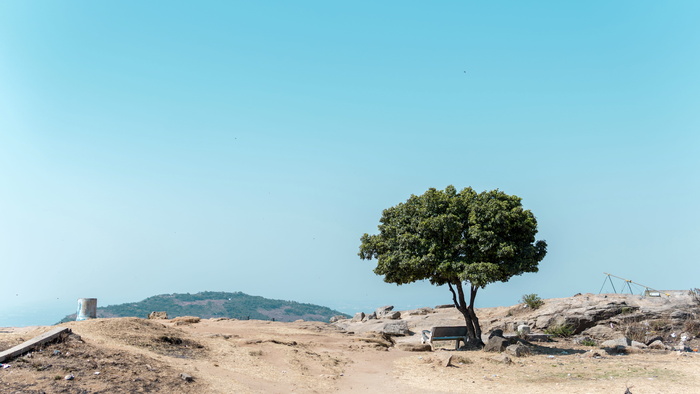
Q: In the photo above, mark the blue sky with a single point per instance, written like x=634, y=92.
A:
x=246, y=146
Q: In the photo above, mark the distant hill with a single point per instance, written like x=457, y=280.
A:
x=210, y=304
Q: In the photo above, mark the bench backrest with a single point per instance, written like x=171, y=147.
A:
x=449, y=331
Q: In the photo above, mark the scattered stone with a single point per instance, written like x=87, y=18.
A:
x=496, y=344
x=69, y=377
x=420, y=311
x=581, y=340
x=518, y=350
x=186, y=377
x=158, y=315
x=359, y=316
x=592, y=354
x=638, y=345
x=621, y=341
x=446, y=361
x=657, y=345
x=393, y=315
x=502, y=359
x=460, y=359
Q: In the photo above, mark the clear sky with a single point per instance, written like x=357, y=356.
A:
x=168, y=147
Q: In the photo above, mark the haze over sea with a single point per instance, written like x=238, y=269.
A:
x=246, y=146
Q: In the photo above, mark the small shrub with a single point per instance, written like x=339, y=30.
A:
x=255, y=352
x=533, y=301
x=625, y=310
x=636, y=332
x=563, y=330
x=695, y=293
x=692, y=327
x=660, y=325
x=588, y=342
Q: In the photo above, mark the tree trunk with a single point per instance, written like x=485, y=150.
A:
x=470, y=319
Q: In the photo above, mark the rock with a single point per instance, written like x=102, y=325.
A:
x=414, y=347
x=657, y=345
x=186, y=377
x=638, y=345
x=518, y=350
x=421, y=311
x=393, y=315
x=359, y=316
x=600, y=332
x=654, y=339
x=383, y=310
x=337, y=318
x=158, y=315
x=496, y=344
x=71, y=376
x=543, y=321
x=396, y=328
x=592, y=354
x=502, y=359
x=582, y=339
x=446, y=360
x=621, y=341
x=460, y=359
x=444, y=306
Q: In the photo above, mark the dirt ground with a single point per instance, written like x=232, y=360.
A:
x=130, y=355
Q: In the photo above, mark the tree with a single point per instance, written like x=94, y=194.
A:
x=450, y=237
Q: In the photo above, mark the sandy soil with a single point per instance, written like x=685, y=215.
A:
x=128, y=355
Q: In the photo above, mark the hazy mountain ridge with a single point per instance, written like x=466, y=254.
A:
x=211, y=304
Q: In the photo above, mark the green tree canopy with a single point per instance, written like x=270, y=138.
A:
x=450, y=237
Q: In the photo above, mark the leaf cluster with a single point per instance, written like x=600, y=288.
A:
x=446, y=236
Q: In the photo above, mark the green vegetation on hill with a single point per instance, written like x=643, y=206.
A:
x=210, y=304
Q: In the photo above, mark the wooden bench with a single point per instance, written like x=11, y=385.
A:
x=445, y=333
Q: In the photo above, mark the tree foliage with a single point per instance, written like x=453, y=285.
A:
x=450, y=237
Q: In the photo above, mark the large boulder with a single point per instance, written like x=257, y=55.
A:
x=383, y=310
x=359, y=316
x=496, y=344
x=396, y=328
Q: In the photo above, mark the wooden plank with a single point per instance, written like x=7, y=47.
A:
x=34, y=342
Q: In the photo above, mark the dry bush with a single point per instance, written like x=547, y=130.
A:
x=660, y=325
x=692, y=327
x=636, y=332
